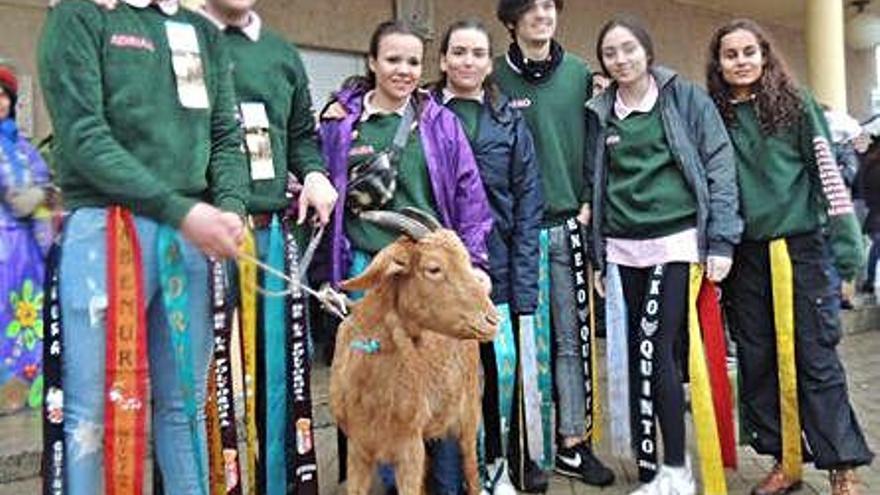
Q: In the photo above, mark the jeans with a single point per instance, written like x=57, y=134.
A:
x=873, y=258
x=569, y=364
x=84, y=306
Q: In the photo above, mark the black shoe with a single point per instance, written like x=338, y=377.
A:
x=534, y=479
x=579, y=462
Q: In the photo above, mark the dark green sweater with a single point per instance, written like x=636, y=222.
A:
x=781, y=193
x=270, y=71
x=413, y=181
x=468, y=112
x=555, y=112
x=123, y=137
x=647, y=196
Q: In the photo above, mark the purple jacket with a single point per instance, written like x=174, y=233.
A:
x=455, y=180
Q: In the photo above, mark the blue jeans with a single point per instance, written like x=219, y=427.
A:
x=84, y=306
x=873, y=258
x=563, y=313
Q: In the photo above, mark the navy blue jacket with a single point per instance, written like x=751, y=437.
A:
x=505, y=155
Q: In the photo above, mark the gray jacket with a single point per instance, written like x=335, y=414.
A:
x=699, y=142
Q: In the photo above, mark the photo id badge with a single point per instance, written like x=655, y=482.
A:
x=259, y=145
x=187, y=63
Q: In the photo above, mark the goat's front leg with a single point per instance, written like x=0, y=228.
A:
x=467, y=442
x=409, y=467
x=360, y=470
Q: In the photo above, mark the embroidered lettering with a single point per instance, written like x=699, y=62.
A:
x=132, y=41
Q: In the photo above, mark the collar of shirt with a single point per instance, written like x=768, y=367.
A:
x=449, y=95
x=251, y=30
x=168, y=7
x=370, y=109
x=622, y=111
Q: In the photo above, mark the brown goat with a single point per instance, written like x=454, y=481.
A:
x=407, y=360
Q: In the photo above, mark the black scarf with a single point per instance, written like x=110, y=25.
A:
x=535, y=71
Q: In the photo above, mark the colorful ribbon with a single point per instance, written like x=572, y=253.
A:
x=702, y=406
x=540, y=429
x=617, y=349
x=54, y=456
x=646, y=432
x=716, y=356
x=783, y=315
x=125, y=386
x=248, y=327
x=505, y=363
x=175, y=296
x=300, y=426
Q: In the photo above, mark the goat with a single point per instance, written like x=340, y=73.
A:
x=406, y=367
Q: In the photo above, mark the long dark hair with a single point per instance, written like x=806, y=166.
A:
x=778, y=100
x=489, y=86
x=634, y=26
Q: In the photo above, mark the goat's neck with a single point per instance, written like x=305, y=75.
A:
x=378, y=317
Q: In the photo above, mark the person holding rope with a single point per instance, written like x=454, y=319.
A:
x=782, y=307
x=505, y=155
x=150, y=165
x=389, y=145
x=550, y=86
x=664, y=202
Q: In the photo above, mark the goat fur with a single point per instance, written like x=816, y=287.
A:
x=429, y=313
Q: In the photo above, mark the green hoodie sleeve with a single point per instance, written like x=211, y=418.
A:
x=71, y=77
x=585, y=195
x=229, y=181
x=303, y=155
x=842, y=226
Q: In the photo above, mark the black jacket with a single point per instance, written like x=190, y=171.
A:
x=505, y=155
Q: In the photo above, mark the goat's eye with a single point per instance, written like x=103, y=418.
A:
x=433, y=270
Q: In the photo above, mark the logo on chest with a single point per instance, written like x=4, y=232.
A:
x=521, y=103
x=132, y=41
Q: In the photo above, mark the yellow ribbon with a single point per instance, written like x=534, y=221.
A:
x=215, y=448
x=248, y=279
x=597, y=409
x=708, y=444
x=783, y=316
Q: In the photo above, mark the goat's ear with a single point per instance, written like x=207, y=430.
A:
x=391, y=261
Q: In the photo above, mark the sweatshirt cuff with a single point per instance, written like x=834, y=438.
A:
x=233, y=205
x=175, y=209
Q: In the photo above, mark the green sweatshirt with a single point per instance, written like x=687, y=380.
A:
x=555, y=112
x=270, y=71
x=413, y=182
x=647, y=195
x=468, y=112
x=781, y=191
x=123, y=137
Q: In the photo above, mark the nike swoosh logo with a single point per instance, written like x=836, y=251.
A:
x=574, y=461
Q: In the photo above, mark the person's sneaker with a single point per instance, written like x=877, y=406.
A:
x=503, y=486
x=843, y=482
x=535, y=480
x=670, y=481
x=579, y=462
x=776, y=483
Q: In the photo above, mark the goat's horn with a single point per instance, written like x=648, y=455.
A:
x=422, y=216
x=396, y=221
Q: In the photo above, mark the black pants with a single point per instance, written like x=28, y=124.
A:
x=833, y=436
x=666, y=378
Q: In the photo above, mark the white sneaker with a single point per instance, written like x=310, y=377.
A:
x=503, y=486
x=670, y=481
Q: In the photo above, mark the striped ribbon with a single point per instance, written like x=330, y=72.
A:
x=783, y=315
x=173, y=279
x=702, y=405
x=248, y=327
x=125, y=386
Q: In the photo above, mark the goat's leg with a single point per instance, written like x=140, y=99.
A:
x=409, y=467
x=360, y=471
x=467, y=441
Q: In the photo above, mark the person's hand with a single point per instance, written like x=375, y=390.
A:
x=214, y=232
x=583, y=215
x=24, y=201
x=717, y=268
x=318, y=193
x=484, y=279
x=334, y=112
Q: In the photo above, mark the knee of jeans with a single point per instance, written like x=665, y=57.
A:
x=85, y=436
x=446, y=467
